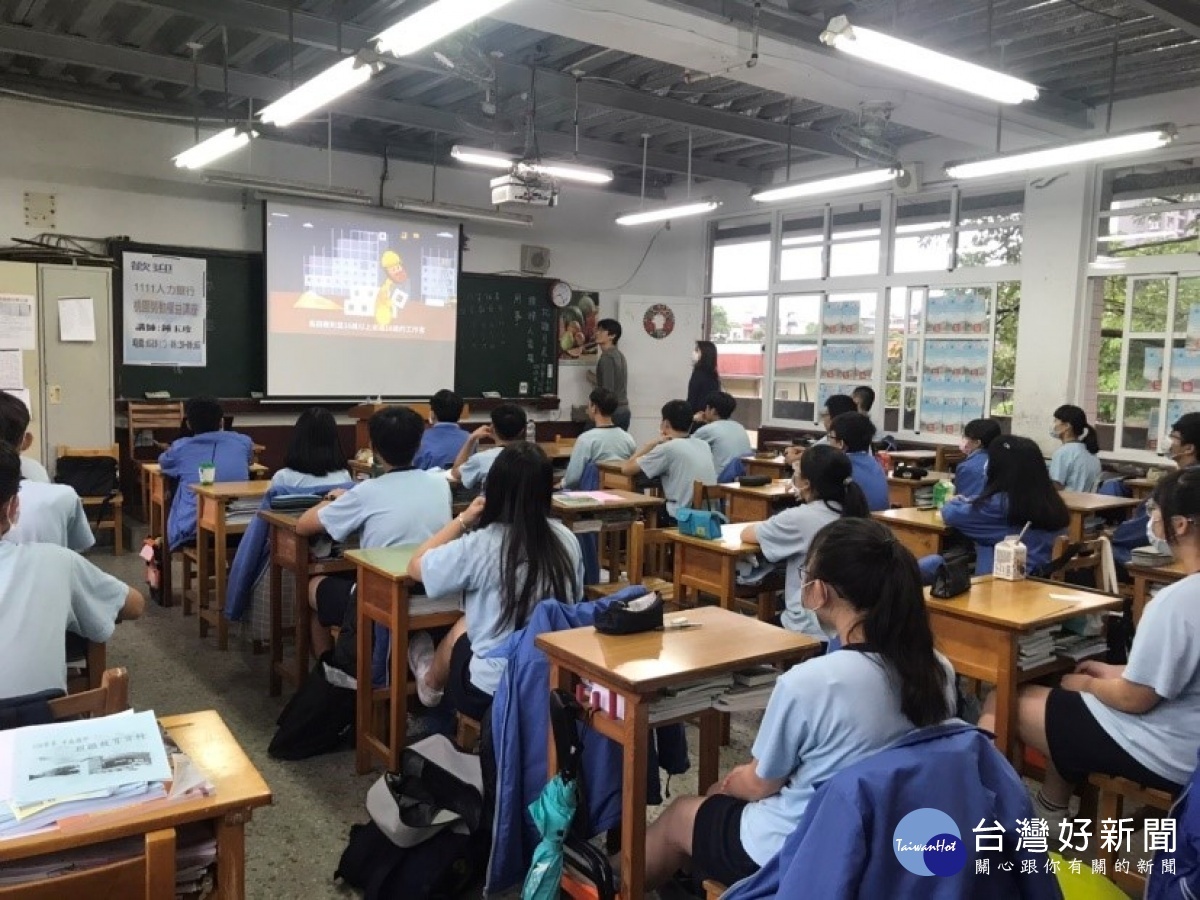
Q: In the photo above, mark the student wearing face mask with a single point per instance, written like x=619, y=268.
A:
x=970, y=477
x=1075, y=465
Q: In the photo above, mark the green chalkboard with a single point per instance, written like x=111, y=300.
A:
x=507, y=335
x=235, y=327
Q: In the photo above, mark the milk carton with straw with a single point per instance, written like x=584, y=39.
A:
x=1010, y=557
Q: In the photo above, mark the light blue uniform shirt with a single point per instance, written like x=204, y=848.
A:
x=787, y=535
x=404, y=507
x=439, y=446
x=869, y=475
x=1166, y=657
x=472, y=565
x=474, y=471
x=51, y=514
x=728, y=440
x=970, y=477
x=604, y=443
x=229, y=451
x=680, y=463
x=1074, y=468
x=823, y=715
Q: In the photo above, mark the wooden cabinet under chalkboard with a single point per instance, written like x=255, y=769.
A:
x=507, y=337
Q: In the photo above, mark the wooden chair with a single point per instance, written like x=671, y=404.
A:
x=639, y=538
x=88, y=676
x=758, y=599
x=713, y=889
x=467, y=733
x=947, y=459
x=115, y=504
x=1118, y=797
x=1094, y=556
x=151, y=417
x=111, y=697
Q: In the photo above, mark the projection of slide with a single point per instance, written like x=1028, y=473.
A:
x=373, y=296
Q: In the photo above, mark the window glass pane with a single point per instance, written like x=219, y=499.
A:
x=802, y=246
x=795, y=380
x=922, y=242
x=1145, y=372
x=1187, y=309
x=738, y=330
x=800, y=314
x=855, y=233
x=1149, y=305
x=1004, y=348
x=1139, y=413
x=989, y=229
x=741, y=267
x=1162, y=224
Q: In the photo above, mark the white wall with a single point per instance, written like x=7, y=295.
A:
x=113, y=175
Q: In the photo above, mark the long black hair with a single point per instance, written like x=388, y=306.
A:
x=983, y=430
x=315, y=448
x=1077, y=419
x=830, y=475
x=1016, y=469
x=1178, y=494
x=708, y=358
x=534, y=564
x=873, y=572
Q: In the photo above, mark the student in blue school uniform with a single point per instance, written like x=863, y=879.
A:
x=1018, y=490
x=443, y=439
x=402, y=506
x=314, y=454
x=970, y=476
x=506, y=554
x=828, y=492
x=851, y=433
x=229, y=452
x=1139, y=721
x=679, y=460
x=1075, y=465
x=471, y=465
x=603, y=442
x=823, y=715
x=727, y=438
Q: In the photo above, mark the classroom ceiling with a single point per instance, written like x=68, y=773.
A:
x=594, y=84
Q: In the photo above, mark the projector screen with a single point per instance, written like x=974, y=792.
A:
x=359, y=303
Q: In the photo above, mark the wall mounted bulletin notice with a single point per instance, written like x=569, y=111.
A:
x=17, y=322
x=76, y=320
x=165, y=308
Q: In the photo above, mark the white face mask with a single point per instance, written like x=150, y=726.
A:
x=1159, y=544
x=964, y=446
x=695, y=356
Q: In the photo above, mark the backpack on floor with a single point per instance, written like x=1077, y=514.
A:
x=318, y=719
x=90, y=476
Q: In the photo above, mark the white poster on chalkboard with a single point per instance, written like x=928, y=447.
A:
x=165, y=308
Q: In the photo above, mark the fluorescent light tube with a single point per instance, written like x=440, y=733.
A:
x=288, y=188
x=1086, y=151
x=431, y=24
x=210, y=150
x=884, y=50
x=317, y=92
x=663, y=213
x=493, y=159
x=836, y=184
x=470, y=213
x=570, y=172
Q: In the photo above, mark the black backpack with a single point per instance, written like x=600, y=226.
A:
x=318, y=719
x=90, y=476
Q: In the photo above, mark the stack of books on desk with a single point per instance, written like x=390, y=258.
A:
x=242, y=511
x=692, y=698
x=1146, y=556
x=923, y=496
x=1036, y=649
x=1079, y=646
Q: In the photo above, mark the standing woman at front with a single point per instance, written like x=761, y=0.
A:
x=1075, y=465
x=704, y=380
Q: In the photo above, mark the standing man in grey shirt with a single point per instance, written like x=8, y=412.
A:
x=612, y=372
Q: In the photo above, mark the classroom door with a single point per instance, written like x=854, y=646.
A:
x=77, y=375
x=658, y=335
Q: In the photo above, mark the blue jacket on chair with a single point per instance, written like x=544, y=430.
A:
x=735, y=469
x=520, y=734
x=843, y=848
x=589, y=544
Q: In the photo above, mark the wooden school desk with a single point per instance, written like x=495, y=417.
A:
x=704, y=565
x=638, y=667
x=753, y=504
x=1083, y=505
x=574, y=513
x=557, y=451
x=1145, y=576
x=1141, y=488
x=212, y=550
x=922, y=531
x=978, y=632
x=290, y=553
x=151, y=472
x=771, y=466
x=240, y=789
x=613, y=479
x=902, y=492
x=383, y=599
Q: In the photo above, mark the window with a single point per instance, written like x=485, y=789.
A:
x=739, y=328
x=957, y=231
x=741, y=259
x=1149, y=211
x=831, y=243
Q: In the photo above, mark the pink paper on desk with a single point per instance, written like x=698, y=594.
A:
x=598, y=496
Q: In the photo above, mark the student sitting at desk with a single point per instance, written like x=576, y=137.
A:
x=1018, y=490
x=402, y=506
x=229, y=452
x=314, y=454
x=1140, y=721
x=828, y=492
x=851, y=433
x=970, y=476
x=727, y=438
x=1075, y=465
x=601, y=443
x=680, y=461
x=506, y=554
x=50, y=513
x=471, y=467
x=45, y=592
x=824, y=714
x=14, y=409
x=443, y=439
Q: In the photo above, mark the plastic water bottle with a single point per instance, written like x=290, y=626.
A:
x=942, y=491
x=531, y=431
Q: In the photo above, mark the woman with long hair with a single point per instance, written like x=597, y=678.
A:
x=823, y=715
x=314, y=454
x=506, y=554
x=1075, y=465
x=1017, y=492
x=1139, y=721
x=704, y=380
x=825, y=483
x=970, y=477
